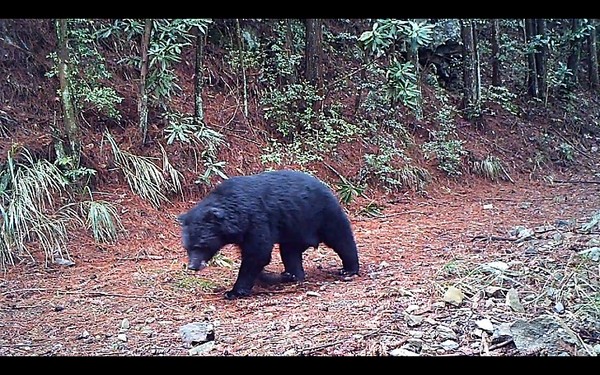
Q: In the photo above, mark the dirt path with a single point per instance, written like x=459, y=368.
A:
x=111, y=303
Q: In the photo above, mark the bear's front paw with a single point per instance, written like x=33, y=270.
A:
x=287, y=277
x=348, y=275
x=233, y=294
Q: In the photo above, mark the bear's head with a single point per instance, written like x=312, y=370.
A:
x=202, y=236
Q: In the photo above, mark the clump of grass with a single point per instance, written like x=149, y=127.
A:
x=144, y=177
x=102, y=218
x=192, y=283
x=29, y=194
x=491, y=168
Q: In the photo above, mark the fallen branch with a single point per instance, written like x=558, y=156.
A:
x=576, y=182
x=493, y=238
x=500, y=345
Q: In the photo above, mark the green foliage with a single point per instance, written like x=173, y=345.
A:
x=402, y=76
x=444, y=144
x=183, y=129
x=402, y=85
x=386, y=32
x=502, y=96
x=566, y=152
x=72, y=171
x=348, y=191
x=449, y=153
x=372, y=209
x=391, y=168
x=192, y=283
x=88, y=73
x=143, y=176
x=306, y=135
x=168, y=40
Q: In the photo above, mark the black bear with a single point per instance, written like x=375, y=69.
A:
x=285, y=207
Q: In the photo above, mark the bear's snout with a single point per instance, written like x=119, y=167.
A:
x=196, y=264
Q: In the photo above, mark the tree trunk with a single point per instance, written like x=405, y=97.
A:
x=242, y=65
x=593, y=58
x=72, y=130
x=496, y=76
x=541, y=57
x=199, y=81
x=289, y=48
x=143, y=98
x=573, y=59
x=314, y=56
x=532, y=83
x=470, y=98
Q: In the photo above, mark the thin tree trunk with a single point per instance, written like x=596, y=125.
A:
x=574, y=56
x=496, y=76
x=72, y=130
x=593, y=58
x=470, y=97
x=242, y=65
x=199, y=75
x=413, y=56
x=143, y=98
x=532, y=83
x=541, y=57
x=314, y=56
x=289, y=48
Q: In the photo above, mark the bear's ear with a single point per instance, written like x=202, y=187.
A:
x=215, y=212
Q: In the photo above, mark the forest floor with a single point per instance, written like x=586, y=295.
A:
x=132, y=298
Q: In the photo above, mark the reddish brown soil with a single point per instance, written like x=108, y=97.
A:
x=45, y=311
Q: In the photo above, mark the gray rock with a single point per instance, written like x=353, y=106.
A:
x=202, y=348
x=197, y=333
x=449, y=345
x=501, y=333
x=546, y=333
x=400, y=352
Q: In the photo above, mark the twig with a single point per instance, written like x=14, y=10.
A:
x=576, y=182
x=500, y=345
x=319, y=347
x=403, y=213
x=493, y=238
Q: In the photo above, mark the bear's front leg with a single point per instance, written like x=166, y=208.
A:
x=252, y=265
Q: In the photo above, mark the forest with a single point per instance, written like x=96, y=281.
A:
x=464, y=151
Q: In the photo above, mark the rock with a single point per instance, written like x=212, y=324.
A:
x=501, y=333
x=559, y=308
x=413, y=320
x=454, y=296
x=122, y=337
x=512, y=300
x=500, y=266
x=449, y=345
x=202, y=348
x=485, y=324
x=125, y=323
x=548, y=333
x=400, y=352
x=313, y=294
x=64, y=262
x=197, y=333
x=445, y=332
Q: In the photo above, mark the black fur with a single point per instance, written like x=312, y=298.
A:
x=290, y=208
